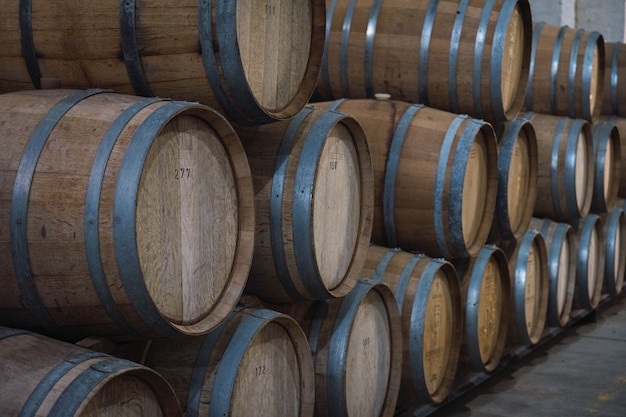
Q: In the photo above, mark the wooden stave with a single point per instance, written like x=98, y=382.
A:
x=121, y=314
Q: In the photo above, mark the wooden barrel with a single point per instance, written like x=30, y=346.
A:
x=517, y=179
x=429, y=299
x=256, y=62
x=469, y=57
x=46, y=377
x=566, y=72
x=614, y=102
x=607, y=151
x=590, y=262
x=620, y=125
x=357, y=350
x=561, y=246
x=435, y=176
x=123, y=216
x=566, y=167
x=314, y=191
x=614, y=224
x=485, y=290
x=530, y=283
x=257, y=363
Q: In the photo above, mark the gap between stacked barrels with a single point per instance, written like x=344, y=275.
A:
x=296, y=208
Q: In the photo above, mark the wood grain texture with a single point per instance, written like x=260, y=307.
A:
x=273, y=376
x=467, y=60
x=179, y=227
x=314, y=207
x=429, y=294
x=267, y=54
x=130, y=390
x=437, y=165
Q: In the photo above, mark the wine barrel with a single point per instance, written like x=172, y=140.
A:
x=258, y=362
x=566, y=72
x=469, y=57
x=357, y=350
x=435, y=176
x=429, y=299
x=256, y=62
x=528, y=269
x=590, y=262
x=614, y=225
x=561, y=246
x=517, y=179
x=314, y=191
x=485, y=291
x=614, y=102
x=566, y=167
x=122, y=216
x=607, y=151
x=620, y=125
x=46, y=377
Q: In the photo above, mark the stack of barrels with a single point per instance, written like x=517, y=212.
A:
x=295, y=208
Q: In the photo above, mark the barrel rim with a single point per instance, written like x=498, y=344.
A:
x=586, y=299
x=604, y=132
x=614, y=223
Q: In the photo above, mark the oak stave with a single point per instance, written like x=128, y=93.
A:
x=254, y=61
x=47, y=377
x=435, y=176
x=428, y=295
x=100, y=241
x=414, y=51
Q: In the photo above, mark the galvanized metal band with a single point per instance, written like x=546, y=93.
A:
x=479, y=49
x=497, y=58
x=47, y=383
x=382, y=265
x=368, y=58
x=92, y=209
x=201, y=365
x=424, y=51
x=232, y=70
x=343, y=54
x=391, y=173
x=338, y=346
x=554, y=68
x=19, y=210
x=531, y=70
x=334, y=106
x=124, y=217
x=615, y=78
x=455, y=41
x=440, y=182
x=505, y=156
x=229, y=364
x=571, y=76
x=28, y=44
x=276, y=203
x=418, y=328
x=457, y=182
x=611, y=254
x=77, y=391
x=588, y=71
x=315, y=329
x=405, y=277
x=571, y=199
x=324, y=72
x=582, y=265
x=9, y=332
x=558, y=239
x=304, y=186
x=601, y=138
x=519, y=290
x=473, y=306
x=130, y=49
x=555, y=170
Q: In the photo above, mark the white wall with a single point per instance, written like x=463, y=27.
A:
x=605, y=16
